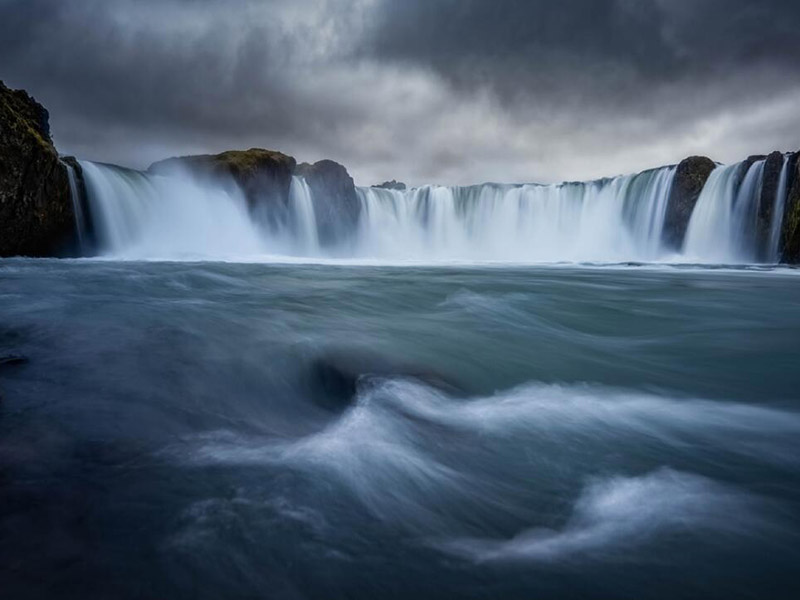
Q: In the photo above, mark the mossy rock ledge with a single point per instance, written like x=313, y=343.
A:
x=264, y=176
x=36, y=216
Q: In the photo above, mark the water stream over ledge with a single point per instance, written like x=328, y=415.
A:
x=142, y=215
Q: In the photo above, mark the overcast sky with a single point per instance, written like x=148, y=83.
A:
x=445, y=91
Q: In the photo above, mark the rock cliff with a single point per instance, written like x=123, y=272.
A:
x=36, y=216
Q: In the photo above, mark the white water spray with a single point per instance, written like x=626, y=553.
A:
x=302, y=205
x=141, y=215
x=724, y=224
x=609, y=220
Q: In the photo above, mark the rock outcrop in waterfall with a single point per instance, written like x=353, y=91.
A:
x=336, y=203
x=36, y=216
x=391, y=185
x=264, y=176
x=690, y=177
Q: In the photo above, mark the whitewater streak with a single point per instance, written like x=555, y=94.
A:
x=142, y=215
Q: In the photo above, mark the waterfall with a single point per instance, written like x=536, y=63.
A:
x=140, y=215
x=777, y=214
x=609, y=220
x=302, y=206
x=619, y=219
x=745, y=213
x=723, y=227
x=77, y=206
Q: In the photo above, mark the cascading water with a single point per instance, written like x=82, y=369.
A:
x=710, y=228
x=80, y=220
x=777, y=214
x=142, y=215
x=745, y=212
x=302, y=205
x=608, y=220
x=724, y=224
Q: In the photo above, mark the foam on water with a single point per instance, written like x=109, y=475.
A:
x=415, y=457
x=620, y=513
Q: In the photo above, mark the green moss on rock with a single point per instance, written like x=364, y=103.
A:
x=264, y=176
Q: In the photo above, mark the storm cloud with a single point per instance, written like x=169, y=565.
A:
x=450, y=91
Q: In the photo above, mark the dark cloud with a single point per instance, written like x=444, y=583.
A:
x=444, y=90
x=607, y=54
x=656, y=40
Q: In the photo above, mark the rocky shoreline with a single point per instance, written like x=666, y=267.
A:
x=38, y=204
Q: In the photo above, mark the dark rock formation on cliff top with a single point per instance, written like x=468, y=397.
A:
x=264, y=176
x=35, y=203
x=790, y=235
x=336, y=203
x=690, y=177
x=391, y=185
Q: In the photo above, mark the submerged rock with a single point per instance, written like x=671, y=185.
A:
x=337, y=375
x=336, y=203
x=10, y=360
x=391, y=185
x=264, y=176
x=690, y=177
x=790, y=233
x=35, y=204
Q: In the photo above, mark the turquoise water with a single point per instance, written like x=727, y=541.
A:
x=207, y=430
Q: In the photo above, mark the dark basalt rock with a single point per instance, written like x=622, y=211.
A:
x=264, y=176
x=690, y=177
x=391, y=185
x=790, y=233
x=336, y=203
x=35, y=203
